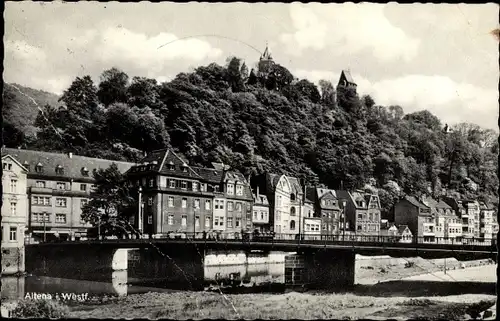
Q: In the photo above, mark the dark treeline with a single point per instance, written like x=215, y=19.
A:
x=277, y=123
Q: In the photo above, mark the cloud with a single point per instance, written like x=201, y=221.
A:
x=348, y=29
x=453, y=102
x=90, y=52
x=138, y=48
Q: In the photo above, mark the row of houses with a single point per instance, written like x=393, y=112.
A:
x=44, y=193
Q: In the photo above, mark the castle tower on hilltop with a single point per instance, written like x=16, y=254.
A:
x=266, y=63
x=346, y=81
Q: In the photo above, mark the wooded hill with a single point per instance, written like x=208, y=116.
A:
x=275, y=123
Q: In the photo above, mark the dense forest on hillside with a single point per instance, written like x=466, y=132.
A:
x=276, y=123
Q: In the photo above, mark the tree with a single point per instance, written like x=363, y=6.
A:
x=81, y=97
x=234, y=76
x=113, y=87
x=143, y=92
x=112, y=203
x=327, y=93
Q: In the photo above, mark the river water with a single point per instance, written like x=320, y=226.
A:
x=260, y=272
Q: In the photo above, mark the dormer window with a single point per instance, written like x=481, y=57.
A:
x=184, y=168
x=59, y=170
x=39, y=168
x=27, y=165
x=171, y=166
x=85, y=171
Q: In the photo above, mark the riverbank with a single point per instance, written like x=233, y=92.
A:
x=457, y=299
x=284, y=306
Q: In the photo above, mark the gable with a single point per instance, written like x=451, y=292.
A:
x=14, y=162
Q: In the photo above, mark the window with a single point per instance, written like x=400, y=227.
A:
x=216, y=221
x=60, y=218
x=83, y=187
x=184, y=202
x=216, y=204
x=61, y=202
x=13, y=208
x=150, y=201
x=239, y=190
x=150, y=219
x=229, y=222
x=195, y=187
x=170, y=201
x=196, y=203
x=255, y=215
x=46, y=201
x=183, y=184
x=221, y=204
x=292, y=211
x=207, y=205
x=261, y=215
x=230, y=189
x=197, y=221
x=238, y=206
x=40, y=184
x=151, y=182
x=61, y=185
x=39, y=168
x=171, y=183
x=308, y=227
x=184, y=220
x=13, y=234
x=230, y=206
x=170, y=220
x=360, y=228
x=292, y=225
x=238, y=222
x=13, y=185
x=217, y=188
x=59, y=170
x=7, y=166
x=184, y=168
x=207, y=221
x=83, y=202
x=370, y=216
x=360, y=216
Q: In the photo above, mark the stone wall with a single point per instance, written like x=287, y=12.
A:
x=13, y=260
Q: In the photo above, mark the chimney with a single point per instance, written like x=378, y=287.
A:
x=70, y=155
x=258, y=193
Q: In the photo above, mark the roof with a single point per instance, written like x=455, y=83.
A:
x=348, y=77
x=160, y=160
x=73, y=166
x=324, y=191
x=402, y=228
x=437, y=204
x=295, y=184
x=261, y=200
x=412, y=200
x=210, y=175
x=267, y=53
x=309, y=195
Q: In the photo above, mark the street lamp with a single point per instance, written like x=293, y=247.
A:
x=45, y=215
x=139, y=215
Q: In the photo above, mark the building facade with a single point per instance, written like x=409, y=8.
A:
x=327, y=207
x=260, y=219
x=448, y=224
x=363, y=212
x=185, y=199
x=14, y=215
x=488, y=225
x=58, y=185
x=285, y=198
x=417, y=216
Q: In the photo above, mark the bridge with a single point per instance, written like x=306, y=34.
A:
x=323, y=261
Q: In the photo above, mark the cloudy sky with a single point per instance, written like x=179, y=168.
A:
x=420, y=56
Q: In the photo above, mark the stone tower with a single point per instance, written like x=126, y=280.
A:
x=266, y=63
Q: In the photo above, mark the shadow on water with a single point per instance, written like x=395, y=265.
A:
x=412, y=288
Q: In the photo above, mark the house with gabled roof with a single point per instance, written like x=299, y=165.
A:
x=448, y=224
x=328, y=208
x=362, y=211
x=417, y=216
x=190, y=199
x=285, y=198
x=58, y=185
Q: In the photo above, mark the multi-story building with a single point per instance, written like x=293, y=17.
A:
x=180, y=197
x=472, y=213
x=363, y=212
x=448, y=224
x=328, y=208
x=487, y=227
x=285, y=196
x=260, y=217
x=417, y=216
x=58, y=185
x=460, y=211
x=14, y=214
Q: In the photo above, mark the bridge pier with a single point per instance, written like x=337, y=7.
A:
x=321, y=269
